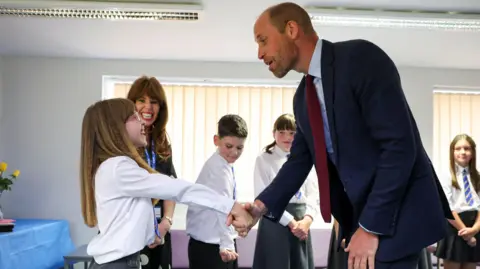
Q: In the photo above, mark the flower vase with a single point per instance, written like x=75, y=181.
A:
x=1, y=214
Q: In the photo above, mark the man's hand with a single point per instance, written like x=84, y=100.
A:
x=362, y=249
x=228, y=255
x=303, y=226
x=256, y=209
x=240, y=218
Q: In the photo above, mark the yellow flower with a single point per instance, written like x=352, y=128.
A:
x=16, y=173
x=3, y=167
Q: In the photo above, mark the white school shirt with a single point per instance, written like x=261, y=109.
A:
x=267, y=167
x=123, y=193
x=456, y=197
x=202, y=225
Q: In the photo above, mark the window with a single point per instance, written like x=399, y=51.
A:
x=454, y=112
x=194, y=110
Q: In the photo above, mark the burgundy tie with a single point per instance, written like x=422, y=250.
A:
x=316, y=123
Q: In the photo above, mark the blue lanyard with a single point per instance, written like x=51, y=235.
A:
x=152, y=160
x=298, y=195
x=234, y=185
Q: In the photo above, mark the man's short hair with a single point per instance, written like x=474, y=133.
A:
x=282, y=13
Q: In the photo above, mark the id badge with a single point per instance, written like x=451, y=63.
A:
x=158, y=212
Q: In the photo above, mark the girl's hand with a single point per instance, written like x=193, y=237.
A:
x=472, y=242
x=158, y=241
x=467, y=233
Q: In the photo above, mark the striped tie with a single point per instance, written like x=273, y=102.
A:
x=468, y=192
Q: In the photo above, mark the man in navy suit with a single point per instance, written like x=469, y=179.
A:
x=355, y=126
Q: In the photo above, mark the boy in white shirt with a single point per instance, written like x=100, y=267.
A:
x=212, y=245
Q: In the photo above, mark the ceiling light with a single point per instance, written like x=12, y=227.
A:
x=100, y=10
x=395, y=19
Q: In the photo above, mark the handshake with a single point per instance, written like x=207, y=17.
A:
x=244, y=216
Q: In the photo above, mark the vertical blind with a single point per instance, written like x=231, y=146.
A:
x=194, y=111
x=453, y=113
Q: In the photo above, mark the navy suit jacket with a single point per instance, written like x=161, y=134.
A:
x=382, y=177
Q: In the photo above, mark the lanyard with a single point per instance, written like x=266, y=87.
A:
x=152, y=160
x=298, y=195
x=234, y=185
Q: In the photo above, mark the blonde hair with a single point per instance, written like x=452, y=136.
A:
x=104, y=136
x=472, y=166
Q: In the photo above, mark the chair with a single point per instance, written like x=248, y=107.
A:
x=78, y=255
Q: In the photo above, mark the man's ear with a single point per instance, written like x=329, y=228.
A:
x=292, y=30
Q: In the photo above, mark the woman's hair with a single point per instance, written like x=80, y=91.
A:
x=472, y=166
x=284, y=122
x=151, y=87
x=104, y=135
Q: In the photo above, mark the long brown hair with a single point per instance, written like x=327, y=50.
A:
x=472, y=166
x=104, y=135
x=284, y=122
x=151, y=87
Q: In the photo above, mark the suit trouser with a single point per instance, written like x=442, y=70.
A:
x=409, y=262
x=129, y=262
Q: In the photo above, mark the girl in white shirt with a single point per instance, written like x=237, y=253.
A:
x=117, y=187
x=286, y=244
x=459, y=249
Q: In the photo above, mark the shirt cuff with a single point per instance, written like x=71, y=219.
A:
x=285, y=219
x=368, y=231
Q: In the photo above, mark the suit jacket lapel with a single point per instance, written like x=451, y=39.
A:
x=328, y=90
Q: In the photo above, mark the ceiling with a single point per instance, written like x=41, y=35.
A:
x=225, y=33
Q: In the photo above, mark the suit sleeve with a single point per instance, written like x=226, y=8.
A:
x=289, y=179
x=385, y=110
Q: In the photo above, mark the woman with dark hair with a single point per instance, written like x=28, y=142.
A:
x=151, y=104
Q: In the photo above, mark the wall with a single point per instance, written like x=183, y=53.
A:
x=49, y=96
x=1, y=110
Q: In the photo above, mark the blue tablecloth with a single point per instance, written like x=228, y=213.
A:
x=35, y=244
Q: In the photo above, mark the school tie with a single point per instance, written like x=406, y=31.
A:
x=316, y=124
x=468, y=191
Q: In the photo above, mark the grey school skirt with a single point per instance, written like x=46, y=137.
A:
x=130, y=262
x=278, y=248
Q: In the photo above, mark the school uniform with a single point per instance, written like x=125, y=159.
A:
x=125, y=215
x=208, y=235
x=466, y=202
x=276, y=246
x=159, y=257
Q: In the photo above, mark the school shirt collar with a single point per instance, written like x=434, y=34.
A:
x=459, y=169
x=277, y=150
x=315, y=68
x=221, y=159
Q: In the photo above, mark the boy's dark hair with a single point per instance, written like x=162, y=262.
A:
x=232, y=125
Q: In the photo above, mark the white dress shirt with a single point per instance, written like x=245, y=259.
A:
x=202, y=225
x=456, y=197
x=266, y=168
x=125, y=214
